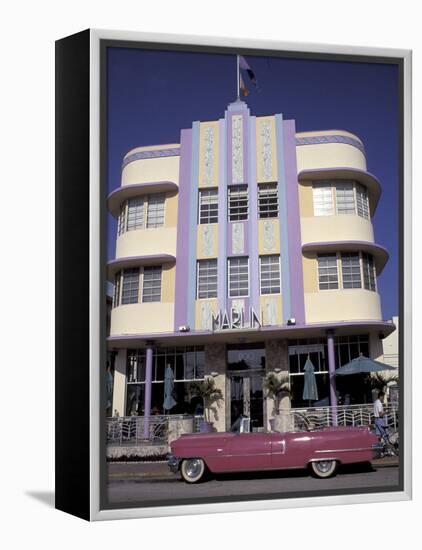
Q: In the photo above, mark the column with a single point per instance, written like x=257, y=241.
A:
x=332, y=375
x=119, y=386
x=148, y=384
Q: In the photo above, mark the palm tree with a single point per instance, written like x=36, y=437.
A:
x=206, y=390
x=276, y=387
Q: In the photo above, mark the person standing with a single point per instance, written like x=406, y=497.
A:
x=379, y=414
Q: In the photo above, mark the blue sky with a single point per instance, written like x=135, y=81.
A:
x=152, y=95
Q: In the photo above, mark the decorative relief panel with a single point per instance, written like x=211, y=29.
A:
x=209, y=156
x=266, y=152
x=269, y=236
x=206, y=316
x=270, y=312
x=237, y=149
x=207, y=240
x=238, y=238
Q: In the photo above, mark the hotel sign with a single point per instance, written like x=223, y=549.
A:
x=235, y=319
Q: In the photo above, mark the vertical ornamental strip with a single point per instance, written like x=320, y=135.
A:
x=148, y=384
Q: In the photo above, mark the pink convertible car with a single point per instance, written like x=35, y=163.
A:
x=197, y=455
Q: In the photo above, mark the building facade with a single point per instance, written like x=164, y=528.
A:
x=245, y=249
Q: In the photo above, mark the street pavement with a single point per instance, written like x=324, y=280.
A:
x=148, y=483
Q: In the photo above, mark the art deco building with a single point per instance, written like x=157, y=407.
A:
x=245, y=249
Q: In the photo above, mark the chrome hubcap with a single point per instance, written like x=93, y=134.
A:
x=193, y=467
x=324, y=466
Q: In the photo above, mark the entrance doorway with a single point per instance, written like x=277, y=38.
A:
x=246, y=371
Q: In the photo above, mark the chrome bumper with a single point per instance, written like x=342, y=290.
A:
x=173, y=463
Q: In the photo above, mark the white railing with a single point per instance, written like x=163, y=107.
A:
x=129, y=430
x=342, y=415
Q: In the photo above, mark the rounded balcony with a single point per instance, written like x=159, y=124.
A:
x=329, y=148
x=154, y=163
x=128, y=262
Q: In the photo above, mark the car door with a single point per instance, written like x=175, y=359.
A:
x=250, y=451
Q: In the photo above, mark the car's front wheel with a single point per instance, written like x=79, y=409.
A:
x=324, y=468
x=193, y=470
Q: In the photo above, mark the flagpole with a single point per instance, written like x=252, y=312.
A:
x=238, y=78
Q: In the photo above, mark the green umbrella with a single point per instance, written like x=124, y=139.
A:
x=362, y=364
x=310, y=390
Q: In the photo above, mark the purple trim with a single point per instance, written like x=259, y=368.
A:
x=297, y=301
x=332, y=375
x=151, y=154
x=133, y=261
x=379, y=252
x=279, y=329
x=148, y=384
x=253, y=221
x=182, y=247
x=116, y=197
x=333, y=138
x=222, y=218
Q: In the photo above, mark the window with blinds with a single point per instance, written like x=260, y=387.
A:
x=208, y=206
x=327, y=271
x=270, y=274
x=368, y=266
x=151, y=285
x=345, y=198
x=350, y=269
x=238, y=203
x=267, y=200
x=155, y=210
x=238, y=277
x=135, y=213
x=130, y=286
x=206, y=279
x=322, y=199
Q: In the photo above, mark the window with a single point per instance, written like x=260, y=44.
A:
x=238, y=203
x=155, y=210
x=362, y=201
x=206, y=284
x=151, y=288
x=208, y=206
x=368, y=266
x=130, y=287
x=327, y=271
x=270, y=274
x=187, y=364
x=350, y=266
x=135, y=213
x=238, y=277
x=116, y=294
x=122, y=219
x=345, y=197
x=323, y=199
x=268, y=200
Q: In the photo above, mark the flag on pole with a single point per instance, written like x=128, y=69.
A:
x=244, y=66
x=244, y=90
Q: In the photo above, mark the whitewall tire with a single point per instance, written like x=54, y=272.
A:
x=193, y=470
x=324, y=468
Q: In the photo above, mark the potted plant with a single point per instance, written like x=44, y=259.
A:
x=276, y=387
x=206, y=390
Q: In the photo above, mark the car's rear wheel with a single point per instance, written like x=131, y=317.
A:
x=193, y=470
x=324, y=468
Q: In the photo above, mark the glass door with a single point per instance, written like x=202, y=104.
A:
x=246, y=397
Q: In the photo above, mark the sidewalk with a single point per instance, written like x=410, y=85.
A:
x=120, y=470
